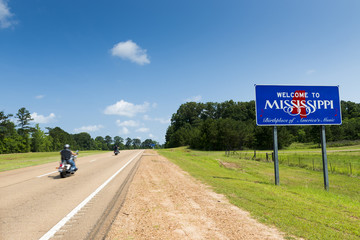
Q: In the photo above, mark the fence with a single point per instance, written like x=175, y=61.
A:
x=346, y=162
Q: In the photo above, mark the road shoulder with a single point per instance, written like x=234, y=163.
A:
x=165, y=202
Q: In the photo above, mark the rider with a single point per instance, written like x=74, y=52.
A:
x=116, y=148
x=66, y=155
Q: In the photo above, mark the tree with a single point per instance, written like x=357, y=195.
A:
x=108, y=141
x=148, y=143
x=100, y=143
x=37, y=140
x=136, y=143
x=60, y=138
x=119, y=141
x=6, y=126
x=128, y=143
x=84, y=141
x=24, y=118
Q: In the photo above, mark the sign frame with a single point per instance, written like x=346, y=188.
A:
x=291, y=118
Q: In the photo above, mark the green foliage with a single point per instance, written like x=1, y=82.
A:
x=10, y=139
x=24, y=117
x=136, y=143
x=100, y=143
x=231, y=125
x=119, y=141
x=147, y=144
x=128, y=144
x=38, y=140
x=60, y=138
x=24, y=138
x=108, y=141
x=84, y=141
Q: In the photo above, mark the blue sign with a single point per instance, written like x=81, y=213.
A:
x=297, y=105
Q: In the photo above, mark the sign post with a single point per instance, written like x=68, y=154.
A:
x=324, y=158
x=289, y=105
x=276, y=157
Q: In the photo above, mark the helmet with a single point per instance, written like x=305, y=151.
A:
x=67, y=146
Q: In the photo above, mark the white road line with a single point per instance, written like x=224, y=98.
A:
x=63, y=221
x=93, y=160
x=46, y=174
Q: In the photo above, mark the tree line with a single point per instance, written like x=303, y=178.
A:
x=232, y=125
x=20, y=136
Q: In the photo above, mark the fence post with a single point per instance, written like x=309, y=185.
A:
x=350, y=168
x=313, y=164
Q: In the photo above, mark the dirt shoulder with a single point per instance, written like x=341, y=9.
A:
x=165, y=202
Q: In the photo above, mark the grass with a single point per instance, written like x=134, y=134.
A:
x=20, y=160
x=299, y=206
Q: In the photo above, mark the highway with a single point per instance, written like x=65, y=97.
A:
x=35, y=203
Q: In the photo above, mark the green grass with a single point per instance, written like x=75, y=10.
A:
x=20, y=160
x=299, y=206
x=343, y=143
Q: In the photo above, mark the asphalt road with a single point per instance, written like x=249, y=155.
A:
x=35, y=203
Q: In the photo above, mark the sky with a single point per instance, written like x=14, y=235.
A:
x=122, y=68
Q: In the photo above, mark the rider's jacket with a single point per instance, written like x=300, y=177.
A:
x=65, y=154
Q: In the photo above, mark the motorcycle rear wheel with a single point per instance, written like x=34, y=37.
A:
x=63, y=174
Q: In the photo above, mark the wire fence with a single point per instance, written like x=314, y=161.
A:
x=346, y=162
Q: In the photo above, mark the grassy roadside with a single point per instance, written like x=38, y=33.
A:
x=299, y=206
x=20, y=160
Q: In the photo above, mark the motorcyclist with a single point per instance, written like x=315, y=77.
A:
x=66, y=154
x=116, y=149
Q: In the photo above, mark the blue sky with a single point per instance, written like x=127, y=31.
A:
x=122, y=68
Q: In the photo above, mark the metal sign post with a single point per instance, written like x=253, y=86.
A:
x=276, y=158
x=324, y=158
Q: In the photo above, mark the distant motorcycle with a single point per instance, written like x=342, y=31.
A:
x=116, y=152
x=65, y=167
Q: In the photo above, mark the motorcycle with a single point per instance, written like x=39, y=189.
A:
x=65, y=167
x=116, y=152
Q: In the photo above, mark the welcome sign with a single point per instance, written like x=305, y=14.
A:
x=297, y=105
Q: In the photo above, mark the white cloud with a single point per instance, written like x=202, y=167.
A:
x=130, y=51
x=142, y=130
x=124, y=130
x=152, y=136
x=127, y=109
x=130, y=123
x=160, y=120
x=40, y=96
x=41, y=118
x=163, y=121
x=311, y=71
x=146, y=117
x=5, y=15
x=91, y=128
x=194, y=99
